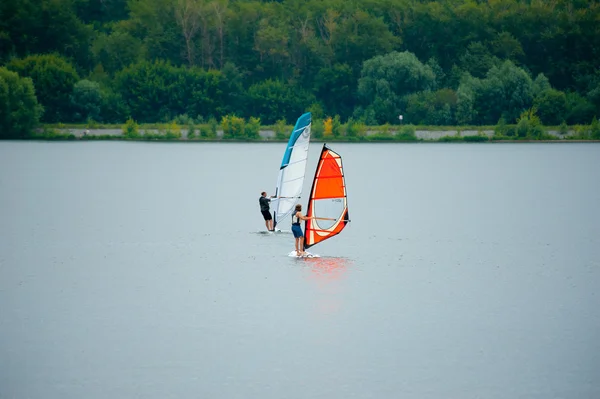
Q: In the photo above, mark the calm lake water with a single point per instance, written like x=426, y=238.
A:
x=137, y=270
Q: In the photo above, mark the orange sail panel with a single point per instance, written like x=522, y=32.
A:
x=327, y=200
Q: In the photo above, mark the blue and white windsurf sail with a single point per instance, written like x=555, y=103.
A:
x=292, y=170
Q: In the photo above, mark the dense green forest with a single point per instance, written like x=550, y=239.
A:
x=449, y=62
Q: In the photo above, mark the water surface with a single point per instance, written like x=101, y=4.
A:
x=137, y=270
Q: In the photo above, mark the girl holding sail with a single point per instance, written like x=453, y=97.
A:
x=297, y=230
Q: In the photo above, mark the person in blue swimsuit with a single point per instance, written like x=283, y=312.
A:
x=297, y=230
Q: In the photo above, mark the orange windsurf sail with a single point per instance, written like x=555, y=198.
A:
x=327, y=200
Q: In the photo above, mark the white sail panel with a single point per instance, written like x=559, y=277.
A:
x=293, y=168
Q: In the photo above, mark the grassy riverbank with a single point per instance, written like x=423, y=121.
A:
x=329, y=130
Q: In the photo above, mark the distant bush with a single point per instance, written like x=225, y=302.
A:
x=212, y=126
x=529, y=126
x=380, y=137
x=354, y=129
x=101, y=137
x=406, y=133
x=328, y=128
x=595, y=129
x=252, y=129
x=233, y=127
x=237, y=128
x=183, y=119
x=563, y=129
x=501, y=129
x=476, y=139
x=171, y=131
x=131, y=130
x=191, y=131
x=318, y=129
x=51, y=134
x=206, y=133
x=586, y=132
x=451, y=139
x=336, y=126
x=281, y=130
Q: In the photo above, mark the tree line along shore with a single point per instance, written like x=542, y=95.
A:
x=437, y=63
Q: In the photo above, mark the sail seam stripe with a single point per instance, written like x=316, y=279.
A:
x=320, y=198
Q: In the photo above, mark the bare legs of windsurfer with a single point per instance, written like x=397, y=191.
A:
x=297, y=230
x=265, y=210
x=299, y=246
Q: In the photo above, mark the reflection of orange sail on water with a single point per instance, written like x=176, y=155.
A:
x=327, y=200
x=327, y=275
x=327, y=268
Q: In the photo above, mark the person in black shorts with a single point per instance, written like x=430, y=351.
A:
x=265, y=210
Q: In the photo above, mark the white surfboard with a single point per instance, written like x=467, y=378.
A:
x=270, y=232
x=308, y=255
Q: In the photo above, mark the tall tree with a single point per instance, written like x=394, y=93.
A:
x=19, y=109
x=386, y=79
x=54, y=78
x=187, y=14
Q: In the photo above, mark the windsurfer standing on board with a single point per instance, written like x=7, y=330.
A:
x=297, y=230
x=265, y=210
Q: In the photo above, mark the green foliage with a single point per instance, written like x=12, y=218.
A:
x=431, y=108
x=386, y=79
x=476, y=139
x=43, y=27
x=501, y=129
x=582, y=132
x=406, y=133
x=54, y=79
x=19, y=109
x=183, y=119
x=529, y=126
x=171, y=131
x=540, y=85
x=191, y=131
x=580, y=110
x=318, y=129
x=316, y=109
x=595, y=129
x=451, y=139
x=131, y=130
x=477, y=60
x=52, y=134
x=563, y=128
x=282, y=132
x=335, y=86
x=233, y=127
x=156, y=91
x=86, y=101
x=213, y=125
x=273, y=99
x=154, y=59
x=380, y=136
x=252, y=128
x=113, y=109
x=552, y=106
x=506, y=91
x=336, y=126
x=355, y=129
x=106, y=46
